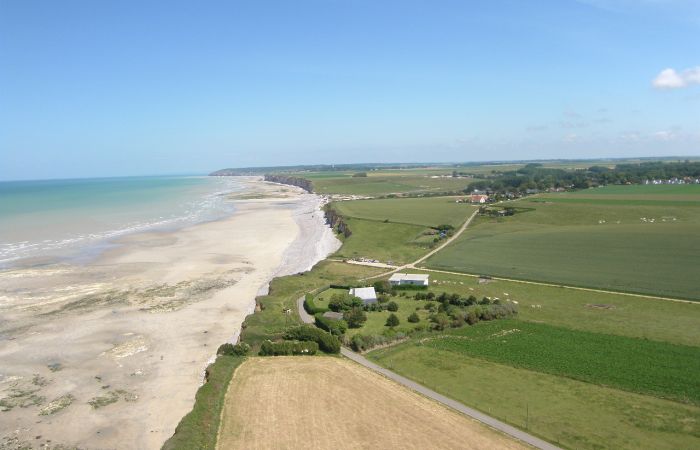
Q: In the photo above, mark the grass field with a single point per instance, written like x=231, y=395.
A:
x=567, y=412
x=395, y=242
x=429, y=211
x=645, y=248
x=636, y=365
x=324, y=402
x=597, y=312
x=377, y=184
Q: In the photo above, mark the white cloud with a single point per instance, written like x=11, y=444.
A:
x=571, y=138
x=671, y=79
x=664, y=135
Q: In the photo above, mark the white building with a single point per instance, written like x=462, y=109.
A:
x=402, y=279
x=366, y=294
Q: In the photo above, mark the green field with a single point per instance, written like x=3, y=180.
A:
x=598, y=312
x=377, y=184
x=567, y=412
x=637, y=365
x=395, y=242
x=429, y=211
x=651, y=248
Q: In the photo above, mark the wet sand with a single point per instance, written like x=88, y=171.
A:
x=110, y=354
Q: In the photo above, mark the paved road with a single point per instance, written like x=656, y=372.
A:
x=473, y=413
x=305, y=317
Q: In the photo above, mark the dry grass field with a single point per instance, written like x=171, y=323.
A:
x=324, y=402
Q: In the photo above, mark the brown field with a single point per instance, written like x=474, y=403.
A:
x=324, y=402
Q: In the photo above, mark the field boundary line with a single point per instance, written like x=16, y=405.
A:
x=578, y=288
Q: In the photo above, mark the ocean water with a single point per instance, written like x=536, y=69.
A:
x=41, y=221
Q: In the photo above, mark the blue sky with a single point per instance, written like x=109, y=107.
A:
x=137, y=87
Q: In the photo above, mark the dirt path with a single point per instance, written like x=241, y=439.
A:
x=430, y=253
x=326, y=402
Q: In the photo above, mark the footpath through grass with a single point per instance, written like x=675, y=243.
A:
x=636, y=365
x=199, y=428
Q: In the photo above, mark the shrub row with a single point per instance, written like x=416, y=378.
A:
x=270, y=348
x=308, y=333
x=334, y=327
x=364, y=342
x=229, y=349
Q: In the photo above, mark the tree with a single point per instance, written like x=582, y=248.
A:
x=392, y=306
x=392, y=320
x=382, y=286
x=355, y=317
x=413, y=318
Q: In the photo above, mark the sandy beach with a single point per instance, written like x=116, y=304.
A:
x=110, y=354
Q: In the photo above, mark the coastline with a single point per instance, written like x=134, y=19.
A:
x=132, y=332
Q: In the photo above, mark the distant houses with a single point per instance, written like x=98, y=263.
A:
x=366, y=294
x=405, y=279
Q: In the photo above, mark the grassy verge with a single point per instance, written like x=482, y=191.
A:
x=198, y=429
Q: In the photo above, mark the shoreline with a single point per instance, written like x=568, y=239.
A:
x=133, y=331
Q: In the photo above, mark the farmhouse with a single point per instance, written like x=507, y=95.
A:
x=403, y=279
x=366, y=294
x=478, y=198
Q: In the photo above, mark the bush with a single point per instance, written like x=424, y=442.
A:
x=308, y=333
x=392, y=320
x=355, y=318
x=229, y=349
x=343, y=302
x=440, y=321
x=392, y=306
x=334, y=327
x=310, y=305
x=282, y=348
x=413, y=318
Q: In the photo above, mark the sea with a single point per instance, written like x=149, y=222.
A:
x=46, y=221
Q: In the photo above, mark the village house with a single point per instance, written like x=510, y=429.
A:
x=478, y=198
x=366, y=294
x=404, y=279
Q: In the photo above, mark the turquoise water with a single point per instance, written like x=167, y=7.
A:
x=62, y=218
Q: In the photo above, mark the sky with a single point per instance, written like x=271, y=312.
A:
x=140, y=87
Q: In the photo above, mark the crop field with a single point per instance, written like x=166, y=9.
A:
x=324, y=402
x=636, y=365
x=384, y=184
x=643, y=248
x=429, y=211
x=567, y=412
